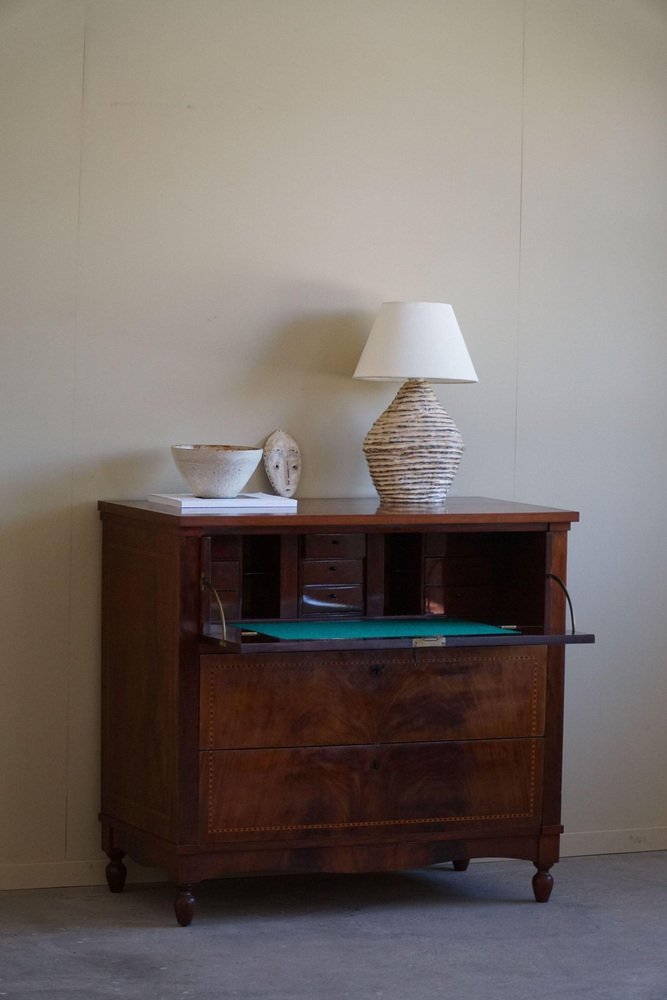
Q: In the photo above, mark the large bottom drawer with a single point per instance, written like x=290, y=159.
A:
x=290, y=791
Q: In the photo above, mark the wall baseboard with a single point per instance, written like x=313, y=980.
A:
x=613, y=841
x=59, y=874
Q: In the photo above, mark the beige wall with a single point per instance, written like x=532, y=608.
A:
x=206, y=201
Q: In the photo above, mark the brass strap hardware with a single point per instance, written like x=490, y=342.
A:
x=207, y=585
x=557, y=579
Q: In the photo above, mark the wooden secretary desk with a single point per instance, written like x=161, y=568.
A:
x=340, y=688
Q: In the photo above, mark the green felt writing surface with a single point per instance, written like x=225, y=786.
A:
x=380, y=628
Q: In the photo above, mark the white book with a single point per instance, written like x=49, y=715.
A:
x=186, y=501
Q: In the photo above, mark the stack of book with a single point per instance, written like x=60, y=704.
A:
x=254, y=501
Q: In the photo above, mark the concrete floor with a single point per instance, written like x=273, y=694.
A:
x=426, y=935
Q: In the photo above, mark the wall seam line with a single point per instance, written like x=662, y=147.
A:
x=517, y=356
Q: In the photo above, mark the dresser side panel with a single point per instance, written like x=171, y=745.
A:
x=140, y=658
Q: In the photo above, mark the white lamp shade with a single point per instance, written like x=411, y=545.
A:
x=416, y=340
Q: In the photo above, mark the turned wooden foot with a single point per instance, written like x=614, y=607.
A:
x=184, y=905
x=116, y=872
x=460, y=864
x=543, y=883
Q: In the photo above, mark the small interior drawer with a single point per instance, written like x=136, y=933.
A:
x=332, y=571
x=332, y=600
x=340, y=546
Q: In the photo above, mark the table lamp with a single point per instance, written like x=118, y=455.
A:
x=414, y=448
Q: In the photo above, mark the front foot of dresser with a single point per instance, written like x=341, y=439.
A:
x=184, y=904
x=115, y=871
x=543, y=883
x=460, y=864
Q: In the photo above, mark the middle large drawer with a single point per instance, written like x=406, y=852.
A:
x=348, y=698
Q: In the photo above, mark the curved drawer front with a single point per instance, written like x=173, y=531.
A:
x=451, y=785
x=325, y=699
x=332, y=600
x=330, y=572
x=334, y=546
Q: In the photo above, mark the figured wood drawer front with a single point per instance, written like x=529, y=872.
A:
x=291, y=700
x=326, y=788
x=286, y=700
x=478, y=693
x=332, y=571
x=340, y=546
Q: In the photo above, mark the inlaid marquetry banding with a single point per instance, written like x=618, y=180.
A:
x=211, y=707
x=399, y=658
x=365, y=823
x=533, y=746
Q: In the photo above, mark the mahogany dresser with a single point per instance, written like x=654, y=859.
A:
x=339, y=688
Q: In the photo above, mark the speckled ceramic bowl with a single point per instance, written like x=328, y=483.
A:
x=215, y=470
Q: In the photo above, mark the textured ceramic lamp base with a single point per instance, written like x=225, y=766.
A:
x=413, y=449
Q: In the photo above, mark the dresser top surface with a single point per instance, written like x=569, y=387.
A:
x=349, y=514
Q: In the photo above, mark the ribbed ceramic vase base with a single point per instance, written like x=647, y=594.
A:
x=413, y=449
